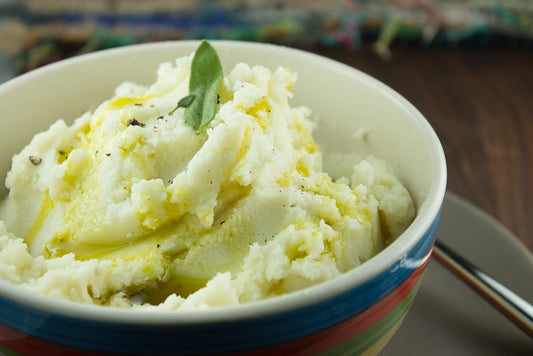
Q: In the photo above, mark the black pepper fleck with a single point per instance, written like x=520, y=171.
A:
x=134, y=122
x=35, y=160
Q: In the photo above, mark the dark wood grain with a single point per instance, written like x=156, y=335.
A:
x=480, y=103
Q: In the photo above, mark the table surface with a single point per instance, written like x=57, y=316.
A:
x=480, y=103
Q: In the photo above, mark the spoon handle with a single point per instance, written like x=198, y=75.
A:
x=506, y=301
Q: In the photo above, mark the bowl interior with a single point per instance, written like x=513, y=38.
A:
x=344, y=99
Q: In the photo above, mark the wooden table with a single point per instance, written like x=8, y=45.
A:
x=480, y=103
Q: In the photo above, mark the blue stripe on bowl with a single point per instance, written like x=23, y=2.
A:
x=222, y=336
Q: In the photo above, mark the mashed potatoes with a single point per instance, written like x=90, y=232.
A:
x=130, y=207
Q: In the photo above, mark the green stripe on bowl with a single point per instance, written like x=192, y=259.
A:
x=364, y=341
x=4, y=351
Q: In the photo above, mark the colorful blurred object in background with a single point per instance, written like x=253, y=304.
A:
x=36, y=32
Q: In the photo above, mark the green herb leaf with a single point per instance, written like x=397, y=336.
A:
x=184, y=102
x=206, y=75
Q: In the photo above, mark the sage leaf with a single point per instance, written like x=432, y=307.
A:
x=206, y=75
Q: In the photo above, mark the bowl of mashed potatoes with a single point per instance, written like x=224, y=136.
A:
x=211, y=198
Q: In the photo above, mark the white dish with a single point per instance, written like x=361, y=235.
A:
x=447, y=317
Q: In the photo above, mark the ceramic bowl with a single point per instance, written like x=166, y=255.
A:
x=355, y=313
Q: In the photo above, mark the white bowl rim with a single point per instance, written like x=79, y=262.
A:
x=426, y=216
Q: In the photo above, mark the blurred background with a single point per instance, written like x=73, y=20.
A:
x=36, y=32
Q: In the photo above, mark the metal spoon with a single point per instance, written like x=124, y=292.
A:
x=506, y=301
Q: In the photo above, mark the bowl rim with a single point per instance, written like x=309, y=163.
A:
x=427, y=213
